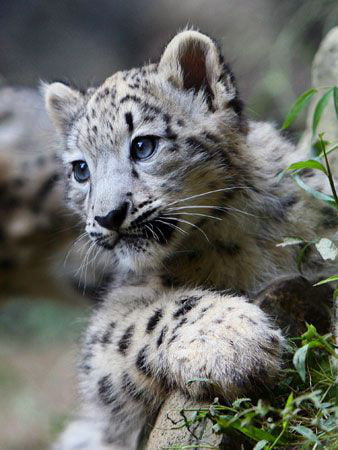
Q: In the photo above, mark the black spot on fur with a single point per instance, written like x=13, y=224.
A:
x=106, y=338
x=150, y=108
x=172, y=339
x=125, y=340
x=131, y=389
x=135, y=173
x=154, y=319
x=143, y=217
x=141, y=361
x=170, y=134
x=162, y=335
x=180, y=323
x=129, y=121
x=105, y=390
x=188, y=304
x=129, y=97
x=237, y=105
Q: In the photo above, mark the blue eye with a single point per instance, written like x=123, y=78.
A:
x=81, y=171
x=143, y=147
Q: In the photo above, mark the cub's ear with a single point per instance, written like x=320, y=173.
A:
x=192, y=61
x=62, y=103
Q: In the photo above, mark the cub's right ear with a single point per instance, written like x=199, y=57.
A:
x=62, y=103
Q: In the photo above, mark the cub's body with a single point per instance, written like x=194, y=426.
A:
x=183, y=191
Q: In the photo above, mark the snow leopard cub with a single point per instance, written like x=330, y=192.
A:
x=181, y=189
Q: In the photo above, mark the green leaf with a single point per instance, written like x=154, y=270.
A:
x=310, y=164
x=237, y=403
x=327, y=249
x=307, y=433
x=299, y=361
x=316, y=194
x=254, y=433
x=317, y=147
x=301, y=255
x=335, y=100
x=335, y=294
x=260, y=445
x=262, y=408
x=289, y=401
x=310, y=333
x=327, y=280
x=290, y=240
x=301, y=102
x=321, y=105
x=329, y=173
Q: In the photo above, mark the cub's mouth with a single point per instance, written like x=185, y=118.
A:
x=156, y=230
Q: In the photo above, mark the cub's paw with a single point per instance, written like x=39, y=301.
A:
x=227, y=341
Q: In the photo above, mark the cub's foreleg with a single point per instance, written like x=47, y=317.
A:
x=141, y=345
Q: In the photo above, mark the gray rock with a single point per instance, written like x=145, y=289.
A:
x=164, y=436
x=325, y=74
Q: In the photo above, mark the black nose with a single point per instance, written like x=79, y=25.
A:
x=114, y=219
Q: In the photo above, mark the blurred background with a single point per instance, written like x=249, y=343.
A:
x=270, y=45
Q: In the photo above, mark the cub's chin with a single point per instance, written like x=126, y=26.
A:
x=139, y=255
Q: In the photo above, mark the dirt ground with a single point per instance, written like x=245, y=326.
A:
x=38, y=347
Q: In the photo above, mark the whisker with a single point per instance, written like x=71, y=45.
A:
x=197, y=214
x=157, y=229
x=191, y=224
x=170, y=225
x=77, y=240
x=206, y=193
x=151, y=231
x=160, y=231
x=219, y=208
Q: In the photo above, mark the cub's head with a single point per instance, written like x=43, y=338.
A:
x=149, y=155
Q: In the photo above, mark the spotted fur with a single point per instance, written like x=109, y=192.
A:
x=204, y=215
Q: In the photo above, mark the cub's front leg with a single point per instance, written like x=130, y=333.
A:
x=222, y=338
x=141, y=345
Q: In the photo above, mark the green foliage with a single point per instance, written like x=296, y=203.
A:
x=319, y=109
x=297, y=107
x=302, y=412
x=326, y=247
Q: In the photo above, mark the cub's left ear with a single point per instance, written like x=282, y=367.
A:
x=62, y=103
x=192, y=61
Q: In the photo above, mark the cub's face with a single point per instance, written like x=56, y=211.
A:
x=148, y=154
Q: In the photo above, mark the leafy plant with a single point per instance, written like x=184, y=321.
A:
x=320, y=150
x=302, y=413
